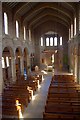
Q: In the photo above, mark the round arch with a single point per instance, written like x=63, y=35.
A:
x=18, y=49
x=8, y=48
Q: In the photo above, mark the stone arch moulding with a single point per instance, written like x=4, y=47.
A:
x=11, y=50
x=20, y=50
x=26, y=50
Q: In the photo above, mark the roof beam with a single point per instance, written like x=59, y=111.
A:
x=51, y=13
x=48, y=18
x=48, y=5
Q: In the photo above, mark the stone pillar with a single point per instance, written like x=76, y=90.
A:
x=28, y=64
x=79, y=17
x=22, y=65
x=78, y=74
x=1, y=77
x=13, y=69
x=79, y=69
x=75, y=67
x=65, y=52
x=37, y=52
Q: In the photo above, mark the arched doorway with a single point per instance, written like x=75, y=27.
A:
x=7, y=66
x=48, y=59
x=18, y=63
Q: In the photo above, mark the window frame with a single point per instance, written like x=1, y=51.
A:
x=61, y=41
x=17, y=29
x=6, y=31
x=51, y=42
x=41, y=41
x=47, y=41
x=55, y=42
x=24, y=33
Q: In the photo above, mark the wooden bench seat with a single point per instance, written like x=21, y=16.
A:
x=54, y=116
x=62, y=95
x=62, y=81
x=52, y=90
x=62, y=109
x=58, y=108
x=62, y=86
x=63, y=101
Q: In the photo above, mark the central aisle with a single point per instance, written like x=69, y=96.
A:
x=35, y=108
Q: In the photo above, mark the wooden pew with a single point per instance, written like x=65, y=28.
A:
x=55, y=116
x=63, y=100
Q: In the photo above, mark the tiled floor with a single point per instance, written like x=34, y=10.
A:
x=36, y=107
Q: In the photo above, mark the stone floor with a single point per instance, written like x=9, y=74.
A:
x=35, y=108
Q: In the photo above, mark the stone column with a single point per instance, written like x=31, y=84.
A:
x=78, y=74
x=78, y=69
x=75, y=67
x=65, y=53
x=1, y=77
x=22, y=65
x=13, y=67
x=79, y=17
x=37, y=51
x=28, y=64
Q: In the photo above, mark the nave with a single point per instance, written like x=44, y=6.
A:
x=40, y=36
x=57, y=97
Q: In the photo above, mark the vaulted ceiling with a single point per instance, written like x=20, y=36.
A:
x=34, y=14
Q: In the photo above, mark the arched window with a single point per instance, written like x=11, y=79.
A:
x=24, y=33
x=7, y=61
x=47, y=41
x=55, y=41
x=60, y=40
x=69, y=34
x=41, y=41
x=71, y=30
x=17, y=29
x=5, y=23
x=3, y=62
x=51, y=41
x=29, y=34
x=75, y=26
